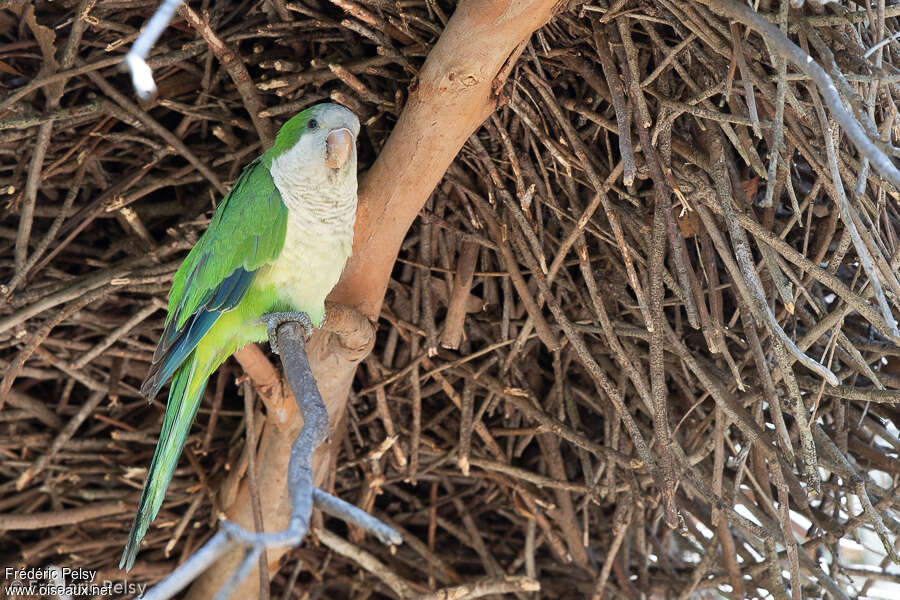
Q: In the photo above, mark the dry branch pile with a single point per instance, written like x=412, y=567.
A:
x=659, y=363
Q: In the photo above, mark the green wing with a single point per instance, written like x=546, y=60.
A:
x=246, y=232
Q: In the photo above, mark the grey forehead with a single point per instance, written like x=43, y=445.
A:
x=333, y=116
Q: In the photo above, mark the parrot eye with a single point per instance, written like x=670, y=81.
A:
x=312, y=124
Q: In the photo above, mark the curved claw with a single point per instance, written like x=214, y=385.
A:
x=274, y=320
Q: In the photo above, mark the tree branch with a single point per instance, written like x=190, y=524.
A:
x=456, y=87
x=303, y=493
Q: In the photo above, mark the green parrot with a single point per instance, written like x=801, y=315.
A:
x=274, y=249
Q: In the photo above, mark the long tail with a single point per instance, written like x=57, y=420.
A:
x=188, y=384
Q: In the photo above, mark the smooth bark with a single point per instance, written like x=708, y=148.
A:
x=457, y=88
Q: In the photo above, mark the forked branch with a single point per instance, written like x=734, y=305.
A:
x=300, y=483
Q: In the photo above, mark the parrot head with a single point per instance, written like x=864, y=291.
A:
x=318, y=145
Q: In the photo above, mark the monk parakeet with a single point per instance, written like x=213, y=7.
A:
x=275, y=247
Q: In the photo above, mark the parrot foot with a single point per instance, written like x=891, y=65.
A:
x=274, y=320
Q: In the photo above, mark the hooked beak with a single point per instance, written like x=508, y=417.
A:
x=338, y=146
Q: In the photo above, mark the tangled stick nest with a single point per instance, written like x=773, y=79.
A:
x=662, y=363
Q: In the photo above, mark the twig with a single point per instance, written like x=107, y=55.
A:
x=154, y=126
x=365, y=560
x=236, y=69
x=750, y=96
x=57, y=518
x=22, y=272
x=805, y=63
x=136, y=59
x=60, y=440
x=454, y=322
x=508, y=584
x=847, y=217
x=623, y=115
x=258, y=523
x=781, y=90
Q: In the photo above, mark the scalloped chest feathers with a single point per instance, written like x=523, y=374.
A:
x=318, y=242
